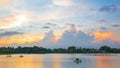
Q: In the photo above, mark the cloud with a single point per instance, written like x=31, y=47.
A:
x=48, y=41
x=103, y=28
x=100, y=36
x=51, y=24
x=107, y=42
x=59, y=10
x=71, y=28
x=109, y=8
x=9, y=33
x=20, y=39
x=116, y=25
x=64, y=3
x=116, y=39
x=10, y=5
x=13, y=20
x=4, y=3
x=74, y=38
x=102, y=20
x=7, y=22
x=70, y=37
x=46, y=27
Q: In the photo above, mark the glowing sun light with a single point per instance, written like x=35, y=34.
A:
x=20, y=19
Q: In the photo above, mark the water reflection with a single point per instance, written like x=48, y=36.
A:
x=24, y=62
x=58, y=61
x=28, y=62
x=107, y=62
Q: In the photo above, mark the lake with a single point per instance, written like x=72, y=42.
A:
x=60, y=61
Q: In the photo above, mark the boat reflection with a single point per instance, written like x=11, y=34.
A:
x=29, y=62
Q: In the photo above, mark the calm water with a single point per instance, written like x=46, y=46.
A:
x=59, y=61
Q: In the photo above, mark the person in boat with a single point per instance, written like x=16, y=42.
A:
x=77, y=59
x=21, y=56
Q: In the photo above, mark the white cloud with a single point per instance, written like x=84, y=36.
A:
x=71, y=38
x=13, y=21
x=63, y=2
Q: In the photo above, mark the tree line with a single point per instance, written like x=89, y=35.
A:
x=71, y=49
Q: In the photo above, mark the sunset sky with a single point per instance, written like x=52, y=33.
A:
x=60, y=23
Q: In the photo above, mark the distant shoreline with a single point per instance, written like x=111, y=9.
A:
x=70, y=50
x=90, y=54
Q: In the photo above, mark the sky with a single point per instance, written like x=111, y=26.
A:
x=60, y=23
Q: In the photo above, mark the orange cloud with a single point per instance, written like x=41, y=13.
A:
x=117, y=39
x=19, y=39
x=102, y=35
x=57, y=37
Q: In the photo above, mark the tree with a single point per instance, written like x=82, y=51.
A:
x=71, y=49
x=105, y=49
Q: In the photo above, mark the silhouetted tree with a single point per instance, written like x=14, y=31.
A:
x=105, y=49
x=71, y=49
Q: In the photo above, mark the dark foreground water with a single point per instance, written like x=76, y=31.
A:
x=59, y=61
